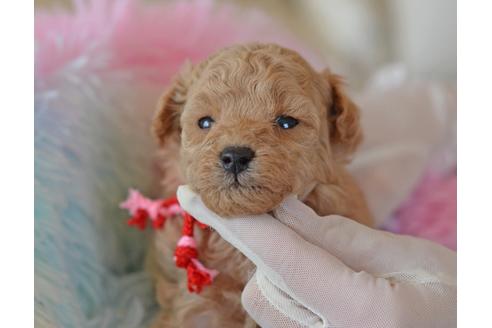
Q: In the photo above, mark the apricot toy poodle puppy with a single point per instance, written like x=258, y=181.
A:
x=245, y=128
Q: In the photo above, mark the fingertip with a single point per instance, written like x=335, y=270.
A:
x=188, y=200
x=291, y=207
x=184, y=193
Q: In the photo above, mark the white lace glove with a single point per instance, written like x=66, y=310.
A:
x=333, y=272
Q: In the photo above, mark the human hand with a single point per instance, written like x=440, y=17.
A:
x=333, y=272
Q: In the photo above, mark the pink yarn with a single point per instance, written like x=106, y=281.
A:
x=172, y=211
x=187, y=241
x=151, y=39
x=136, y=201
x=201, y=267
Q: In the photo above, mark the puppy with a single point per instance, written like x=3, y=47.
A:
x=245, y=128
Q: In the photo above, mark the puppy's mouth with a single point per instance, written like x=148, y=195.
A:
x=241, y=194
x=245, y=187
x=242, y=181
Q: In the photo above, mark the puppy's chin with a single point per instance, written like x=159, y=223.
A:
x=242, y=200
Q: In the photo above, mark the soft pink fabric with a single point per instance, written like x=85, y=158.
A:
x=151, y=40
x=430, y=212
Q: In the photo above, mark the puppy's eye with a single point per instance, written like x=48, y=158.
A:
x=205, y=122
x=286, y=122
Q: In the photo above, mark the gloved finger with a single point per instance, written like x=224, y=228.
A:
x=304, y=271
x=269, y=306
x=356, y=245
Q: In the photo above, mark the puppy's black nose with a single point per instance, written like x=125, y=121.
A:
x=236, y=159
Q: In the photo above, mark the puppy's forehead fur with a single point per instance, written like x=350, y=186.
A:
x=262, y=80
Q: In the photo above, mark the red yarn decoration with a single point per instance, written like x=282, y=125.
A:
x=183, y=256
x=139, y=220
x=170, y=201
x=197, y=278
x=159, y=222
x=186, y=254
x=188, y=225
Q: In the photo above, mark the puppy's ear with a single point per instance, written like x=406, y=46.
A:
x=170, y=106
x=343, y=119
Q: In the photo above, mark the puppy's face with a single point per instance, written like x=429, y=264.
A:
x=256, y=123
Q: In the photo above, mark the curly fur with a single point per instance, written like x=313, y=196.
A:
x=244, y=88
